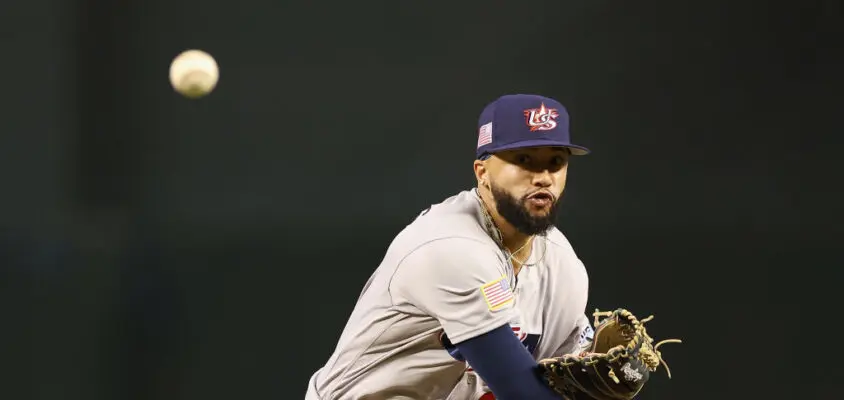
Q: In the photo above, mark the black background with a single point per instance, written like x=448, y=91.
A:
x=154, y=247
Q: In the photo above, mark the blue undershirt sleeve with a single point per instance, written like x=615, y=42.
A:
x=506, y=366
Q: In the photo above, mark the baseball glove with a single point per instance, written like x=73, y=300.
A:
x=615, y=367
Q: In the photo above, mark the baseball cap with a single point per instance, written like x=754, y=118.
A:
x=516, y=121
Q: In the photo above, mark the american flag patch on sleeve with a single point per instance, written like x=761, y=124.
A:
x=497, y=294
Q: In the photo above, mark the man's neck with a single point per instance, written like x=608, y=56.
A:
x=514, y=241
x=517, y=243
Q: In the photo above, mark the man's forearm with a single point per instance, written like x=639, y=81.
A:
x=501, y=360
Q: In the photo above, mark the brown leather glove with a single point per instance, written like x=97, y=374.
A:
x=617, y=365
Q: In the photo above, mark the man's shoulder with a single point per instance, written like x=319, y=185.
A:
x=445, y=226
x=558, y=240
x=442, y=234
x=559, y=245
x=456, y=216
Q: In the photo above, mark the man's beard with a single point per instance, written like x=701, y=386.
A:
x=516, y=212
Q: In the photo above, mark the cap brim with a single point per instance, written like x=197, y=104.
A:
x=575, y=149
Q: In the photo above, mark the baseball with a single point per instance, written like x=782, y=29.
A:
x=194, y=73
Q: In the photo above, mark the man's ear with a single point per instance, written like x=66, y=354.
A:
x=481, y=172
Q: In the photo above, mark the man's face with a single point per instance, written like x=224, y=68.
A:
x=527, y=184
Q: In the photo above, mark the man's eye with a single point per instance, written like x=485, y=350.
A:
x=559, y=160
x=524, y=159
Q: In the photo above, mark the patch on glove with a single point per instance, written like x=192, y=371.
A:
x=615, y=367
x=584, y=341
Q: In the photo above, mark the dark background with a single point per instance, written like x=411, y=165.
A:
x=154, y=247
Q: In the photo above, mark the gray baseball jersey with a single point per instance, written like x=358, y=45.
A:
x=444, y=280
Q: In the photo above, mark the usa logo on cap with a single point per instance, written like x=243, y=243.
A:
x=542, y=118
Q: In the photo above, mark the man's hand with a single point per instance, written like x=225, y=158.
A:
x=617, y=365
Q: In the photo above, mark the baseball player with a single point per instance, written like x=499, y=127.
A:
x=479, y=286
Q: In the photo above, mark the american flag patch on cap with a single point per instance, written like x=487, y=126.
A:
x=497, y=294
x=485, y=134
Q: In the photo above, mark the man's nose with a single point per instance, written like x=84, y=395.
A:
x=543, y=179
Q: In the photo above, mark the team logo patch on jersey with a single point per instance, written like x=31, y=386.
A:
x=542, y=118
x=529, y=340
x=497, y=294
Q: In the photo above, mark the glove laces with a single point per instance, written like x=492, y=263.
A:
x=651, y=354
x=648, y=351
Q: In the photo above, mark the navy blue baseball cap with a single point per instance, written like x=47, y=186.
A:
x=516, y=121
